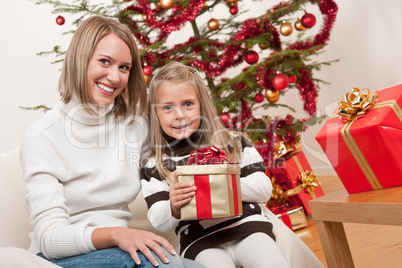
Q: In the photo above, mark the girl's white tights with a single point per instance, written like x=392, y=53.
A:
x=255, y=251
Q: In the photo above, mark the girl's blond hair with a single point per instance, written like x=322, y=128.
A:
x=73, y=78
x=211, y=130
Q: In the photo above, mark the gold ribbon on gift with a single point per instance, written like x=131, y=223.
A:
x=364, y=99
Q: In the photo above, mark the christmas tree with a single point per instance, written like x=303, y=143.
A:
x=220, y=46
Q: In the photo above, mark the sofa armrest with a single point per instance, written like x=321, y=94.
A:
x=14, y=220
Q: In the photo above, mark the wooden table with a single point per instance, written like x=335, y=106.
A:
x=330, y=211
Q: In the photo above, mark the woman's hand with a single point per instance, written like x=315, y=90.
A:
x=132, y=240
x=179, y=195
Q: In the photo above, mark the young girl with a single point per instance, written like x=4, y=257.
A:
x=183, y=118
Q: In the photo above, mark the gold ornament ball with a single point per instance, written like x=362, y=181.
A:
x=286, y=29
x=166, y=3
x=231, y=1
x=147, y=78
x=213, y=24
x=272, y=96
x=299, y=26
x=263, y=46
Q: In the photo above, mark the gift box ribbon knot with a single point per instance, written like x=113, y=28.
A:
x=210, y=155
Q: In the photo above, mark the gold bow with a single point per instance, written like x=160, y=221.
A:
x=284, y=150
x=277, y=192
x=309, y=182
x=355, y=104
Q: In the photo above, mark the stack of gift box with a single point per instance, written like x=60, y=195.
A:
x=294, y=184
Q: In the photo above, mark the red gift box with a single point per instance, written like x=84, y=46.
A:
x=365, y=151
x=293, y=217
x=289, y=177
x=218, y=192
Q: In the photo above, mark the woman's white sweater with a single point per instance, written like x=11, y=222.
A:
x=81, y=171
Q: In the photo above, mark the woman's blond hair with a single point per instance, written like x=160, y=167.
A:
x=211, y=130
x=73, y=78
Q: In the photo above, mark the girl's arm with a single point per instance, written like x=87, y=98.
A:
x=155, y=190
x=255, y=185
x=180, y=195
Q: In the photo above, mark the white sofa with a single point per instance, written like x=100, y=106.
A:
x=14, y=223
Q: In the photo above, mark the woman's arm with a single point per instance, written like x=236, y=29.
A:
x=131, y=240
x=42, y=167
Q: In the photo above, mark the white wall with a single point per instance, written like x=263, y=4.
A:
x=366, y=39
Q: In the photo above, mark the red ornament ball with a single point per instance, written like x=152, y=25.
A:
x=259, y=97
x=233, y=10
x=308, y=20
x=147, y=70
x=292, y=79
x=280, y=81
x=60, y=20
x=225, y=117
x=251, y=57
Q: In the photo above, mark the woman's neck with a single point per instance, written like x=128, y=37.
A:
x=87, y=114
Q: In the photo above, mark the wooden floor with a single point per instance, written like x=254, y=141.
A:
x=371, y=245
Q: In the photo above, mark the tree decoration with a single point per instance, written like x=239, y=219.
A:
x=233, y=9
x=292, y=78
x=308, y=20
x=225, y=117
x=231, y=1
x=286, y=29
x=213, y=24
x=259, y=97
x=251, y=57
x=60, y=20
x=263, y=46
x=280, y=81
x=147, y=70
x=299, y=26
x=166, y=3
x=272, y=96
x=147, y=78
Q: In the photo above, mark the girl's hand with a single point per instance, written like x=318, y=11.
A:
x=179, y=195
x=133, y=240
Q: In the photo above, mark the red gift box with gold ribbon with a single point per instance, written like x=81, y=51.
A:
x=363, y=139
x=297, y=180
x=218, y=192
